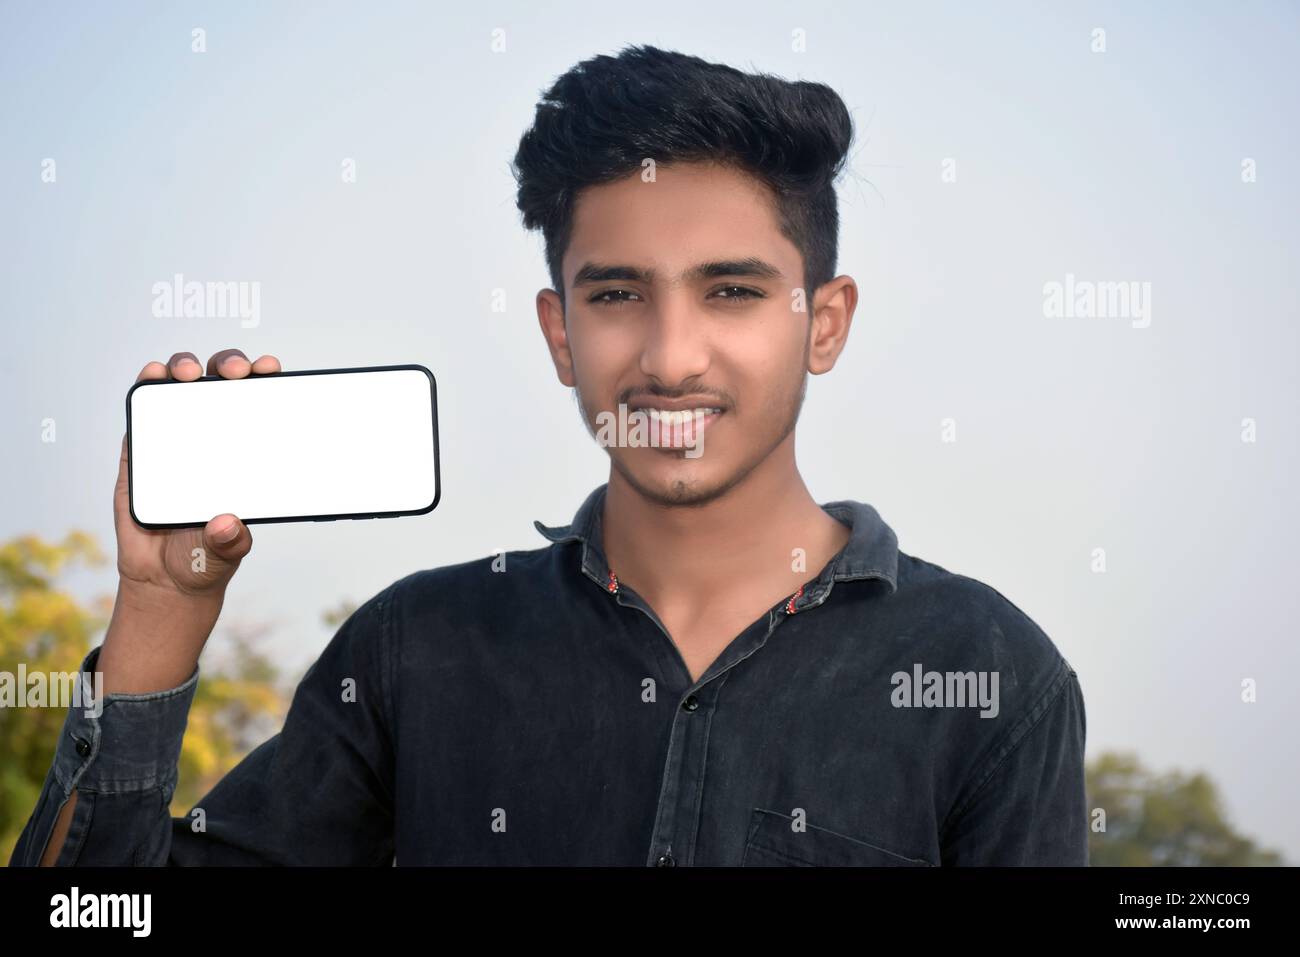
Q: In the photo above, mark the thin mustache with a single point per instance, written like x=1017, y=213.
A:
x=646, y=396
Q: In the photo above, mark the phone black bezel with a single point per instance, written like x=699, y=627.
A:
x=437, y=473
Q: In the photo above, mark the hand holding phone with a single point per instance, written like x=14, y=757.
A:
x=167, y=601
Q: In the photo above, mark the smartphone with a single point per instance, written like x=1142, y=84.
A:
x=318, y=445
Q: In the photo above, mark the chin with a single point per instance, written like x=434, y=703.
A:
x=676, y=481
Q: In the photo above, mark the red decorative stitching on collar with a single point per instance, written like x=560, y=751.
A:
x=789, y=606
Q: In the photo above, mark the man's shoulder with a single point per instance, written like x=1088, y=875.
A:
x=964, y=625
x=498, y=580
x=974, y=622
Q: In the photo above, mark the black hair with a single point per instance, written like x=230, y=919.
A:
x=604, y=117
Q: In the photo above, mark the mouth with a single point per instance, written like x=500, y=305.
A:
x=679, y=428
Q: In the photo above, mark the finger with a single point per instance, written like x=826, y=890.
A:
x=265, y=365
x=122, y=492
x=229, y=364
x=152, y=370
x=227, y=537
x=121, y=467
x=184, y=367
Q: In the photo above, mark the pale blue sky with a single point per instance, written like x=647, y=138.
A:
x=1072, y=433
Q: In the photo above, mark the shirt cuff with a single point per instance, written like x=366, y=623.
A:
x=122, y=742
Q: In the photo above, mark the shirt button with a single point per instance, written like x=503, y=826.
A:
x=690, y=704
x=83, y=747
x=666, y=860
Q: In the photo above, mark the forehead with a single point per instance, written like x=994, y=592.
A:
x=691, y=211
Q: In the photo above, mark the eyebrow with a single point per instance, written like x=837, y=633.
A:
x=749, y=266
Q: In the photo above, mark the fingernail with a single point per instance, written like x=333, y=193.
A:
x=225, y=533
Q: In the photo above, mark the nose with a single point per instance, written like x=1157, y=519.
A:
x=676, y=346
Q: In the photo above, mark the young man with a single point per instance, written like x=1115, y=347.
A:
x=706, y=666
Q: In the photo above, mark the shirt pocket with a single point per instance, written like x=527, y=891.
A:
x=772, y=843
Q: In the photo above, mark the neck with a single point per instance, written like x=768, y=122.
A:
x=743, y=540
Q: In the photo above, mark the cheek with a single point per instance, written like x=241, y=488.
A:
x=765, y=370
x=598, y=354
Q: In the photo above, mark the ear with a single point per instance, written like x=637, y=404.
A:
x=833, y=306
x=550, y=315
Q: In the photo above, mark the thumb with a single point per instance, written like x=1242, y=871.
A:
x=227, y=538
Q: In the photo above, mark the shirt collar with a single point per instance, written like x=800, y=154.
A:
x=871, y=552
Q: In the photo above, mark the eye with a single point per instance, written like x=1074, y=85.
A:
x=740, y=293
x=600, y=300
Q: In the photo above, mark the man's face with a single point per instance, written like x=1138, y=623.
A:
x=645, y=326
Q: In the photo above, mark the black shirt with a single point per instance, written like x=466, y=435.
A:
x=530, y=709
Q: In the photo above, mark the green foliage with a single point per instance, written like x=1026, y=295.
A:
x=339, y=614
x=1152, y=820
x=236, y=705
x=45, y=630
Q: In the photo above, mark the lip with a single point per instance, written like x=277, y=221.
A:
x=677, y=405
x=689, y=434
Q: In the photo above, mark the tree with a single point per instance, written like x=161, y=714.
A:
x=339, y=614
x=45, y=630
x=237, y=703
x=1172, y=819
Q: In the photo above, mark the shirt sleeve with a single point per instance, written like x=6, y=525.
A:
x=318, y=792
x=120, y=755
x=321, y=791
x=1028, y=805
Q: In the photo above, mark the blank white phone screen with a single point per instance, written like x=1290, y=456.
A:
x=283, y=446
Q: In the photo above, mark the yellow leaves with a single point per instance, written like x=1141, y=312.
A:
x=237, y=704
x=45, y=630
x=30, y=562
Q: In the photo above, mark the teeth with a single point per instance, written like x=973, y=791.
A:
x=680, y=417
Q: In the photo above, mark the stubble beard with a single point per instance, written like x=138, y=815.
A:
x=683, y=493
